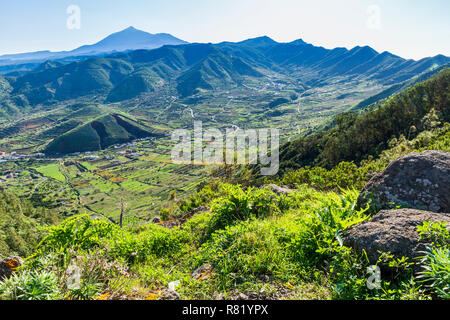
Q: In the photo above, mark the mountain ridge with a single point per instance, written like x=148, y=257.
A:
x=188, y=69
x=126, y=39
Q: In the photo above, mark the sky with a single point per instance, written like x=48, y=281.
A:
x=409, y=28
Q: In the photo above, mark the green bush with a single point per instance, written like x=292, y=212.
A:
x=80, y=231
x=436, y=232
x=241, y=252
x=318, y=230
x=153, y=240
x=204, y=196
x=20, y=224
x=30, y=285
x=239, y=205
x=436, y=271
x=435, y=262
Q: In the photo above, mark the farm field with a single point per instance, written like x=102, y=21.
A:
x=96, y=183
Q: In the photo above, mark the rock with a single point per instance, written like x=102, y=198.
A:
x=202, y=273
x=242, y=296
x=156, y=220
x=248, y=296
x=8, y=266
x=265, y=278
x=169, y=224
x=220, y=296
x=277, y=189
x=170, y=295
x=417, y=180
x=392, y=231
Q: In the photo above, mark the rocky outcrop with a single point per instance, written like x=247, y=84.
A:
x=392, y=231
x=8, y=266
x=417, y=180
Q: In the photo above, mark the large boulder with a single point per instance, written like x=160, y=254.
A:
x=417, y=180
x=392, y=231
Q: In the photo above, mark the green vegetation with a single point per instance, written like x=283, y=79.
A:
x=348, y=174
x=354, y=138
x=242, y=236
x=99, y=134
x=20, y=225
x=31, y=285
x=436, y=261
x=51, y=171
x=291, y=249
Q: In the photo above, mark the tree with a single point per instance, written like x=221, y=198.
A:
x=123, y=207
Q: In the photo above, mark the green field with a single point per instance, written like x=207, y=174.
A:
x=51, y=171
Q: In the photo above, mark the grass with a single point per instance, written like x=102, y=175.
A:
x=291, y=251
x=51, y=171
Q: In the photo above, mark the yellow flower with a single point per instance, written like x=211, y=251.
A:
x=153, y=296
x=103, y=296
x=289, y=285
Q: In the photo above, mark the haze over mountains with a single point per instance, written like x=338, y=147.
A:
x=127, y=39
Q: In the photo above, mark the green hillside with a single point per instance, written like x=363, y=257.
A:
x=230, y=240
x=354, y=138
x=99, y=134
x=190, y=68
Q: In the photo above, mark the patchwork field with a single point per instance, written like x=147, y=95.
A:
x=96, y=182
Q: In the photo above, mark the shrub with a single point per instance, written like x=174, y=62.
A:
x=436, y=232
x=241, y=252
x=80, y=231
x=205, y=195
x=153, y=240
x=435, y=262
x=30, y=285
x=436, y=271
x=239, y=205
x=20, y=224
x=319, y=230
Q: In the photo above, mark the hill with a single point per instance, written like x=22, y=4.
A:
x=192, y=68
x=99, y=134
x=355, y=137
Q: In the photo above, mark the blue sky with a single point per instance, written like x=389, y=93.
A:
x=409, y=28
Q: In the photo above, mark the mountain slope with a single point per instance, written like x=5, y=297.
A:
x=318, y=62
x=354, y=138
x=125, y=76
x=191, y=68
x=99, y=134
x=127, y=39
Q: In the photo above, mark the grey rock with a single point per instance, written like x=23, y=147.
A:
x=170, y=295
x=202, y=272
x=392, y=231
x=410, y=181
